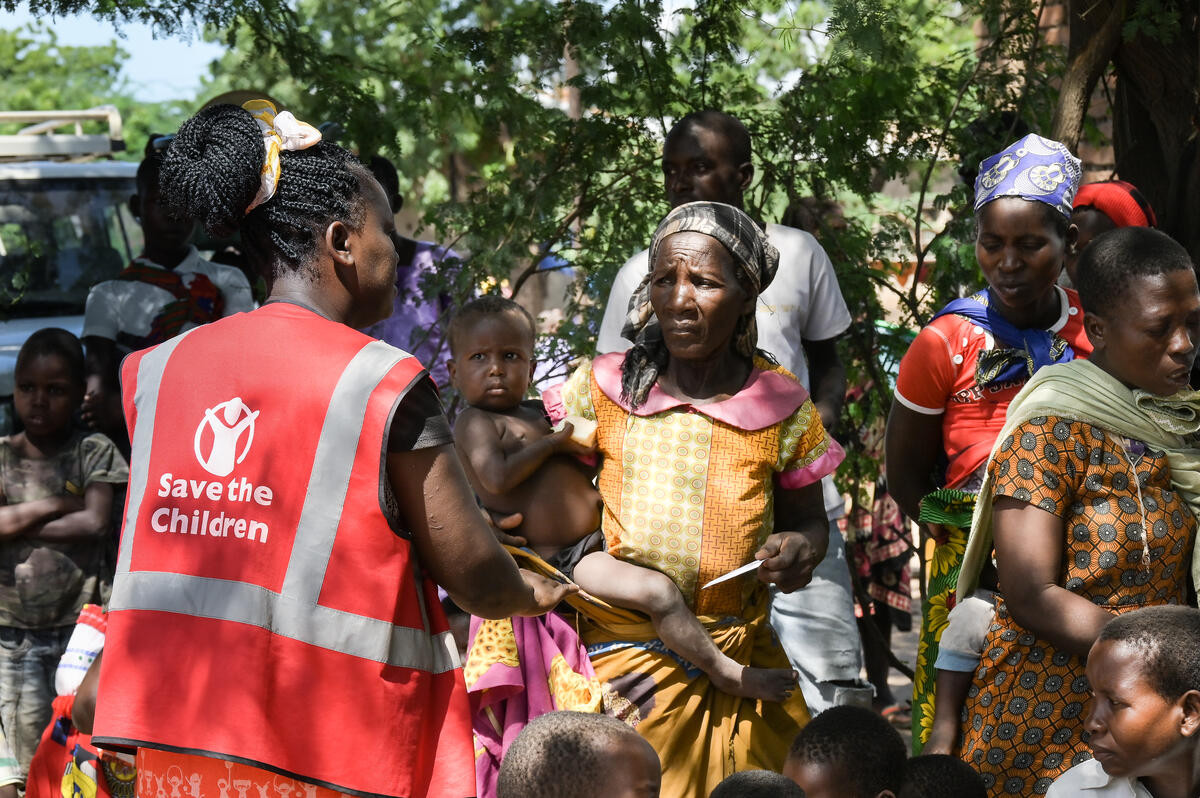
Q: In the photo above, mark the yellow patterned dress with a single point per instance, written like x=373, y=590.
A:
x=689, y=490
x=1025, y=711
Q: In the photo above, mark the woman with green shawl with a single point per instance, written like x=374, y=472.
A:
x=1089, y=501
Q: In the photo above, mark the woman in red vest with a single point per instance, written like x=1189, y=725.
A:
x=294, y=496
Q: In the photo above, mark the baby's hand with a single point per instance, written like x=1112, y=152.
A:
x=87, y=410
x=567, y=441
x=101, y=411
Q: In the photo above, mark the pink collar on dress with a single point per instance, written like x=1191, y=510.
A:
x=768, y=397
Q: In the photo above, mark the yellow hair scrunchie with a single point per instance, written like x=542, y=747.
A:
x=281, y=131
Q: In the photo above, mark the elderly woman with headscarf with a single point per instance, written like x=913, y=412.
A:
x=711, y=459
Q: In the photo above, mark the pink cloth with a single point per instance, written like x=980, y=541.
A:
x=767, y=398
x=506, y=697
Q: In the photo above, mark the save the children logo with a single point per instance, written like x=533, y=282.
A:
x=215, y=508
x=226, y=424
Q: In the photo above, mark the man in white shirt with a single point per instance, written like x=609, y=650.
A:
x=706, y=157
x=167, y=290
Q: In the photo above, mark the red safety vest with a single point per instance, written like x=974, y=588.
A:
x=264, y=610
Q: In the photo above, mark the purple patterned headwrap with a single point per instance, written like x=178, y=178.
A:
x=1033, y=168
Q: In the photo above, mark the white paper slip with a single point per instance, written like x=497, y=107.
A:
x=745, y=569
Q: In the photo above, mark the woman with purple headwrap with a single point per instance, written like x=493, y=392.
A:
x=957, y=379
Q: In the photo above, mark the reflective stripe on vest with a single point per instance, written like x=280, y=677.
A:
x=293, y=612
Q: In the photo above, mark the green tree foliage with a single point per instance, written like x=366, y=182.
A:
x=39, y=74
x=534, y=128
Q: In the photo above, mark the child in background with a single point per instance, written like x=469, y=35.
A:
x=1144, y=671
x=579, y=755
x=56, y=492
x=166, y=290
x=757, y=784
x=518, y=464
x=941, y=776
x=847, y=752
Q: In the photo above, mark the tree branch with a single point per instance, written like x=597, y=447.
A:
x=1082, y=73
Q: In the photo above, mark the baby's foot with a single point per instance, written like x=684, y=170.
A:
x=768, y=684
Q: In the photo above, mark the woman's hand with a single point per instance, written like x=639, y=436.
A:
x=547, y=593
x=789, y=558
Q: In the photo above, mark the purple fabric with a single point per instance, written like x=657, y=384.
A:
x=418, y=324
x=1033, y=168
x=505, y=698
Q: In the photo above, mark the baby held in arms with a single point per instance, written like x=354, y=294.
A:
x=518, y=464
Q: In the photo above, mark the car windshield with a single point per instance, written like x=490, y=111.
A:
x=58, y=238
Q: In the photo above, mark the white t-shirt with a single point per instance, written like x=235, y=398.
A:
x=1089, y=779
x=130, y=306
x=802, y=303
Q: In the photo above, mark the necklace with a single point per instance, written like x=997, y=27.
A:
x=1134, y=452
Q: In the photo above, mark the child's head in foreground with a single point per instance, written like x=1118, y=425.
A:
x=49, y=381
x=579, y=755
x=1144, y=672
x=847, y=752
x=491, y=352
x=757, y=784
x=1141, y=308
x=941, y=776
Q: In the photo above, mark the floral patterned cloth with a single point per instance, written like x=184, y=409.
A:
x=519, y=669
x=1129, y=538
x=952, y=509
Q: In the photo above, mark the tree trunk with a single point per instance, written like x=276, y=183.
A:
x=1156, y=118
x=1089, y=57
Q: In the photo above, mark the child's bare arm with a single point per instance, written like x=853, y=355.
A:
x=83, y=712
x=88, y=521
x=18, y=519
x=951, y=688
x=478, y=442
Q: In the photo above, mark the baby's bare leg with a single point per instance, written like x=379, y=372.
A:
x=634, y=587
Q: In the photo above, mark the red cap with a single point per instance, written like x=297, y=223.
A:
x=1119, y=201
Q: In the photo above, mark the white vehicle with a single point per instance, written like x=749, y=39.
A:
x=65, y=225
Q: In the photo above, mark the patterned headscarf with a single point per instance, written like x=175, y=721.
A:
x=281, y=131
x=1033, y=168
x=751, y=250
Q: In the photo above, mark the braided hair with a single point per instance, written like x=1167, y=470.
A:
x=211, y=173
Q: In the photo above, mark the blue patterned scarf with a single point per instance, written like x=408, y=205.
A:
x=1018, y=353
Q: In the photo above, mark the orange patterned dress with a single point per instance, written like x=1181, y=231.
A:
x=1025, y=711
x=689, y=491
